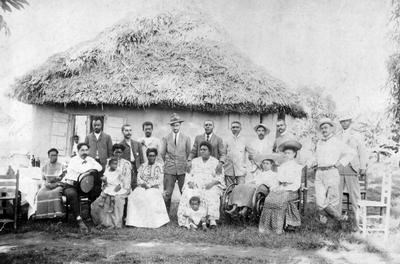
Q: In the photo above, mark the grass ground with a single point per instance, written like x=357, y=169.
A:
x=60, y=242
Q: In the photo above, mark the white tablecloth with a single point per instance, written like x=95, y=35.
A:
x=29, y=182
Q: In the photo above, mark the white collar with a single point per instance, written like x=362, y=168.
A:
x=284, y=133
x=209, y=136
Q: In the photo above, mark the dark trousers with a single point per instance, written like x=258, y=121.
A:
x=72, y=194
x=133, y=175
x=169, y=185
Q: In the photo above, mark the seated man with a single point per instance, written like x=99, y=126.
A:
x=78, y=165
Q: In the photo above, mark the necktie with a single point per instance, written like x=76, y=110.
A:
x=208, y=137
x=175, y=139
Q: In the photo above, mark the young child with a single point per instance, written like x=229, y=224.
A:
x=242, y=195
x=112, y=184
x=195, y=215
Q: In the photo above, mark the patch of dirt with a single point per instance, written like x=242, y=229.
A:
x=81, y=250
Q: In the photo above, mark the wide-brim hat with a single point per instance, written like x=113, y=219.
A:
x=345, y=116
x=175, y=118
x=325, y=120
x=261, y=157
x=290, y=144
x=267, y=130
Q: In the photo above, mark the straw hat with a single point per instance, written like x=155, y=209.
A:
x=325, y=120
x=175, y=118
x=261, y=157
x=267, y=130
x=290, y=144
x=345, y=116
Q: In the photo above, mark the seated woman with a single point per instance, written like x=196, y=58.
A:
x=48, y=200
x=205, y=182
x=146, y=207
x=242, y=194
x=104, y=212
x=279, y=209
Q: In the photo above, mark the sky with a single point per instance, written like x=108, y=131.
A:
x=339, y=45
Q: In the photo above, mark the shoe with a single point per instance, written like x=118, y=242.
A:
x=82, y=227
x=323, y=219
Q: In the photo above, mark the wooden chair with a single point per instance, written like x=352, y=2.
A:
x=363, y=191
x=376, y=221
x=9, y=196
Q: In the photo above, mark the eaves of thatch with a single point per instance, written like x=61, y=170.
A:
x=174, y=60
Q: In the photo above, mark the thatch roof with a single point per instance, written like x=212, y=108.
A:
x=174, y=60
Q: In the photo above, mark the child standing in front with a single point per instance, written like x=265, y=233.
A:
x=195, y=215
x=112, y=184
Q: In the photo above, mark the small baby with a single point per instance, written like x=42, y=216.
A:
x=195, y=215
x=112, y=182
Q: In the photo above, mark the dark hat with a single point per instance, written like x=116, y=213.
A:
x=175, y=119
x=290, y=144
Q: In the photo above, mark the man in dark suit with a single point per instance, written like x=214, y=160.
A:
x=100, y=149
x=133, y=152
x=218, y=149
x=100, y=144
x=175, y=150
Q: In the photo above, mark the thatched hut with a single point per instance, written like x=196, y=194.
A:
x=145, y=69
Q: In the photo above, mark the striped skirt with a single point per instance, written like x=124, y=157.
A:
x=279, y=211
x=49, y=203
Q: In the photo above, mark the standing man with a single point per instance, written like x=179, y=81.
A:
x=133, y=152
x=261, y=145
x=148, y=141
x=218, y=149
x=331, y=156
x=175, y=152
x=357, y=167
x=283, y=135
x=100, y=144
x=79, y=164
x=236, y=149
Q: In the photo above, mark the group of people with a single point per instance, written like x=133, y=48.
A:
x=135, y=180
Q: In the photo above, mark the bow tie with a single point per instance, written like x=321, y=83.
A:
x=84, y=162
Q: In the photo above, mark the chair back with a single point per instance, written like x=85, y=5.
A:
x=86, y=181
x=9, y=182
x=386, y=188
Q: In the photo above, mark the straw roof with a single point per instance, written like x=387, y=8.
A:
x=173, y=60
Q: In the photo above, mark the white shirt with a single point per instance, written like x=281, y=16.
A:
x=330, y=151
x=77, y=165
x=196, y=216
x=261, y=146
x=269, y=178
x=130, y=147
x=114, y=179
x=97, y=135
x=209, y=136
x=75, y=149
x=176, y=137
x=151, y=142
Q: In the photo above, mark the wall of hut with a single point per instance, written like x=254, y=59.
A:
x=54, y=126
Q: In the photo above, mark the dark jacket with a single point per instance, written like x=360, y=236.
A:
x=103, y=145
x=137, y=153
x=218, y=148
x=175, y=157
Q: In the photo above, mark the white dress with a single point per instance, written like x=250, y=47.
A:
x=146, y=207
x=114, y=178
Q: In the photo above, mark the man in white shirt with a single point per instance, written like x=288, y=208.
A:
x=148, y=141
x=260, y=144
x=79, y=164
x=236, y=148
x=357, y=167
x=75, y=142
x=331, y=155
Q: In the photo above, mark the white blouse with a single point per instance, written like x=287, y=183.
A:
x=290, y=172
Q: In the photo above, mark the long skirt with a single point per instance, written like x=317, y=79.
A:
x=49, y=203
x=103, y=216
x=242, y=195
x=146, y=208
x=210, y=199
x=279, y=211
